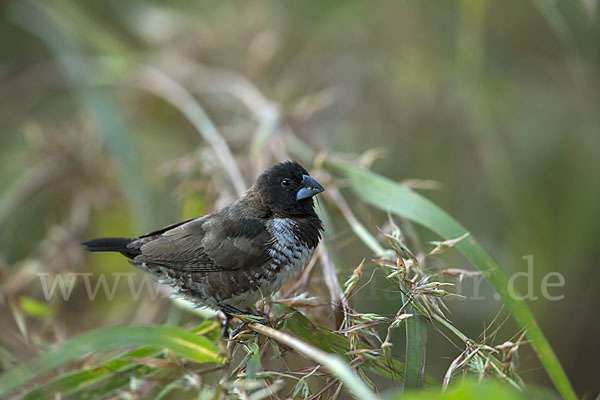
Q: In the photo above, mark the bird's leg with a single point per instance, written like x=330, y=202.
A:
x=225, y=331
x=238, y=329
x=229, y=311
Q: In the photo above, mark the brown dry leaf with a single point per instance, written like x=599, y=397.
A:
x=351, y=283
x=442, y=246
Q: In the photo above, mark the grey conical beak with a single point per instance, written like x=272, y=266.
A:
x=310, y=187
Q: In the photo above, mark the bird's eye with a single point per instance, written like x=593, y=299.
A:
x=286, y=182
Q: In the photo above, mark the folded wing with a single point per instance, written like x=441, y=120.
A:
x=211, y=243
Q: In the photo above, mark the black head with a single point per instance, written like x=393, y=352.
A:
x=287, y=189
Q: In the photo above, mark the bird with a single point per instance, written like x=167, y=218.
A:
x=238, y=254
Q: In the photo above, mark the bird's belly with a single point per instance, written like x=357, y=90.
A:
x=273, y=278
x=288, y=255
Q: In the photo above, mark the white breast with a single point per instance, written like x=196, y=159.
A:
x=287, y=248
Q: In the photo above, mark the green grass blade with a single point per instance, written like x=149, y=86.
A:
x=70, y=382
x=416, y=342
x=115, y=383
x=388, y=195
x=103, y=380
x=470, y=389
x=181, y=342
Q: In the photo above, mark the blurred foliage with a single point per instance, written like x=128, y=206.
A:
x=467, y=390
x=107, y=109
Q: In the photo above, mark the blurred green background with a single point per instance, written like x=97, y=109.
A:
x=496, y=101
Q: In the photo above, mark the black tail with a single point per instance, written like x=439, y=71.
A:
x=112, y=244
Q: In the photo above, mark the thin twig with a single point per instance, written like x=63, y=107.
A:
x=332, y=362
x=155, y=81
x=356, y=226
x=331, y=281
x=200, y=78
x=302, y=282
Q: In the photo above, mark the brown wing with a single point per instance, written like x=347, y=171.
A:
x=212, y=243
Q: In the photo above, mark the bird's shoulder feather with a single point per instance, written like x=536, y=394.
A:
x=228, y=239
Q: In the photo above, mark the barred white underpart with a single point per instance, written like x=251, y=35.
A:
x=288, y=256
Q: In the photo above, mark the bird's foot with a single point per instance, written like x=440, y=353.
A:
x=245, y=317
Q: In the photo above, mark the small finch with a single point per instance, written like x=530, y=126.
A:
x=232, y=257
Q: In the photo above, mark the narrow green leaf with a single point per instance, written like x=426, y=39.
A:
x=73, y=381
x=181, y=342
x=115, y=383
x=470, y=389
x=416, y=345
x=388, y=195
